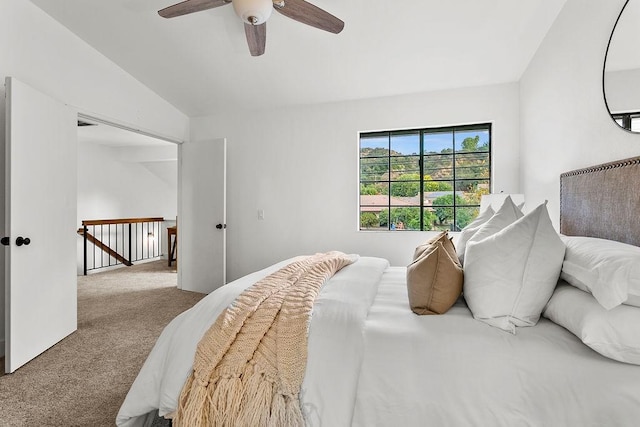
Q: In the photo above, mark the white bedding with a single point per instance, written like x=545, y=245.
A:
x=466, y=373
x=373, y=362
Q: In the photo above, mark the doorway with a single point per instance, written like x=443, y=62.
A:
x=123, y=175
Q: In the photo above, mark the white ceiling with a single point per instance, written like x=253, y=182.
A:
x=201, y=64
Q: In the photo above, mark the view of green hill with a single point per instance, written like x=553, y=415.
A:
x=396, y=175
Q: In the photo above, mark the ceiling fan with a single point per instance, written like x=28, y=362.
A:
x=254, y=14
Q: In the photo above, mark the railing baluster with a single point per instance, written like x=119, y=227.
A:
x=85, y=230
x=155, y=239
x=147, y=239
x=94, y=249
x=109, y=238
x=101, y=253
x=116, y=249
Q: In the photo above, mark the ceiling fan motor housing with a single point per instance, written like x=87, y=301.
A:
x=253, y=12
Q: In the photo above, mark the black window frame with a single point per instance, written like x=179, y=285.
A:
x=626, y=119
x=487, y=126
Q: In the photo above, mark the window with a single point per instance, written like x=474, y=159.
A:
x=628, y=121
x=424, y=179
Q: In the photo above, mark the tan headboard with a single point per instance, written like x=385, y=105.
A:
x=602, y=201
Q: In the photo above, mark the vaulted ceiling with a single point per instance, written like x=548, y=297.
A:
x=201, y=64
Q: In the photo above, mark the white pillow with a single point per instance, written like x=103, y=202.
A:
x=609, y=270
x=510, y=275
x=505, y=216
x=467, y=232
x=613, y=333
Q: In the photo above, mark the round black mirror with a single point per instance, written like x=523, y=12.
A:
x=621, y=74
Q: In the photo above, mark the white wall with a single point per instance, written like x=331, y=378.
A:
x=564, y=121
x=112, y=186
x=42, y=53
x=299, y=165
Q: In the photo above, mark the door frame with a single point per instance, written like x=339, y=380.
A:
x=95, y=118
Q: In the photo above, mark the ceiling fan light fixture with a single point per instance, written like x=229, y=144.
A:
x=254, y=12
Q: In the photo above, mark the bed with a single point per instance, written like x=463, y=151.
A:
x=373, y=362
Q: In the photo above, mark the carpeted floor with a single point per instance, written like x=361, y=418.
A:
x=83, y=380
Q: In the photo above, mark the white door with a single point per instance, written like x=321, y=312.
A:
x=202, y=215
x=40, y=203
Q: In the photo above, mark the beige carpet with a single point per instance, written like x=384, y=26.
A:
x=83, y=380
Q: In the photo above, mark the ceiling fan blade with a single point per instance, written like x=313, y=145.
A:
x=305, y=12
x=256, y=38
x=190, y=6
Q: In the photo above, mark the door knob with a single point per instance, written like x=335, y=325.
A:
x=5, y=241
x=23, y=241
x=221, y=226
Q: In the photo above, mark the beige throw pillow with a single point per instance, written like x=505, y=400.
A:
x=434, y=281
x=442, y=237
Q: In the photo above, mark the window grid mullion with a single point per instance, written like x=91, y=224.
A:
x=455, y=181
x=421, y=169
x=421, y=163
x=389, y=181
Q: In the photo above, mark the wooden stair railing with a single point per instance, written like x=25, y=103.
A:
x=107, y=249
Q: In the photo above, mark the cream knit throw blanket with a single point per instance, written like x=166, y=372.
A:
x=250, y=364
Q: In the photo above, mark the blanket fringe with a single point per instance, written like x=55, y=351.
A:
x=192, y=400
x=256, y=401
x=285, y=411
x=226, y=396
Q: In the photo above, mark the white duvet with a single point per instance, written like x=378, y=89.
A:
x=373, y=362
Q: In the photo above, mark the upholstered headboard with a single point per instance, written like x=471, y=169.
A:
x=602, y=201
